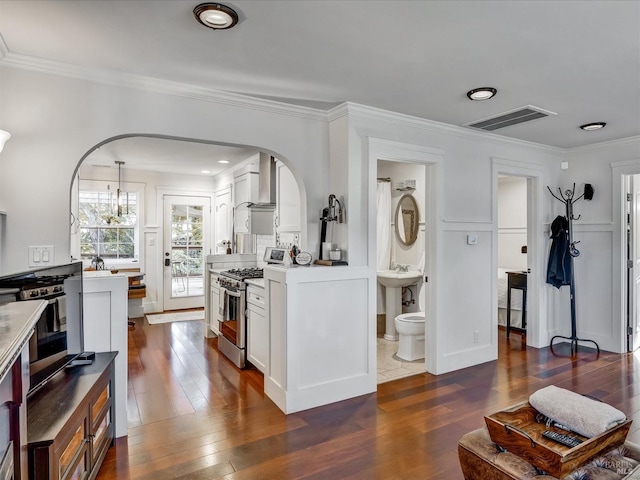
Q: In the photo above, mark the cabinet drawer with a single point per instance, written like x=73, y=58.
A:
x=255, y=297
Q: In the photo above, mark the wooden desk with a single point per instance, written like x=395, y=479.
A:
x=518, y=281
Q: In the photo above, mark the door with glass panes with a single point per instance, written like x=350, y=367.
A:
x=186, y=244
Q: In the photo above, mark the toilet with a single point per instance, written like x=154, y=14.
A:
x=410, y=328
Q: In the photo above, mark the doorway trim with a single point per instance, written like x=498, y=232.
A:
x=432, y=159
x=619, y=172
x=154, y=248
x=537, y=331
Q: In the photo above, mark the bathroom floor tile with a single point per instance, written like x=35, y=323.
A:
x=391, y=367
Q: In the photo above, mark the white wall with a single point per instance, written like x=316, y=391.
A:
x=55, y=120
x=464, y=200
x=599, y=268
x=512, y=222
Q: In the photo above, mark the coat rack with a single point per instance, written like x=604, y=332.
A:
x=568, y=198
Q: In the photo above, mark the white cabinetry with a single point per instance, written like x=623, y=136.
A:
x=214, y=300
x=245, y=189
x=257, y=329
x=288, y=201
x=223, y=209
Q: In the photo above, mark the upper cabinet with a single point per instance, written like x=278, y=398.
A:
x=222, y=216
x=245, y=191
x=288, y=201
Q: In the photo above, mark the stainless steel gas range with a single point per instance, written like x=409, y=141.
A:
x=232, y=313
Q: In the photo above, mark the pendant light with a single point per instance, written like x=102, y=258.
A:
x=119, y=192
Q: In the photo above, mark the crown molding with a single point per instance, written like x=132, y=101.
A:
x=607, y=144
x=121, y=79
x=403, y=120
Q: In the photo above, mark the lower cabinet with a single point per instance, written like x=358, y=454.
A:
x=71, y=422
x=257, y=329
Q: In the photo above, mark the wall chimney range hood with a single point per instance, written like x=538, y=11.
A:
x=266, y=185
x=261, y=218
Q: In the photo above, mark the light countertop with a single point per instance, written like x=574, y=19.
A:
x=17, y=320
x=258, y=282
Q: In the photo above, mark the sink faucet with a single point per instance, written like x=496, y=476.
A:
x=403, y=268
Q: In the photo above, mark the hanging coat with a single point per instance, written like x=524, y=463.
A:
x=559, y=268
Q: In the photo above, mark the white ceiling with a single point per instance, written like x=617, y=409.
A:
x=579, y=59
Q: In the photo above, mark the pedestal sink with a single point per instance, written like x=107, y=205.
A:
x=393, y=281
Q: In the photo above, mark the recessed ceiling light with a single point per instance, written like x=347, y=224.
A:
x=215, y=15
x=205, y=171
x=483, y=93
x=223, y=161
x=592, y=126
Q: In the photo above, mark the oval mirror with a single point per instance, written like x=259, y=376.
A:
x=407, y=220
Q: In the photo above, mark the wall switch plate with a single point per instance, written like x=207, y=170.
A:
x=472, y=239
x=41, y=255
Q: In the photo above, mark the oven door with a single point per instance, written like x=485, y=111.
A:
x=232, y=316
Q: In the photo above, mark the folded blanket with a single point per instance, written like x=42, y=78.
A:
x=581, y=414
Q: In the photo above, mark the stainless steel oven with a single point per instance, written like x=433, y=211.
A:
x=232, y=313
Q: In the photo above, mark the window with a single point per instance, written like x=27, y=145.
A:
x=102, y=232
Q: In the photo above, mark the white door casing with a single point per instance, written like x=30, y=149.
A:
x=537, y=332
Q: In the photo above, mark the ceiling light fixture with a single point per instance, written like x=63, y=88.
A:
x=223, y=161
x=588, y=127
x=483, y=93
x=205, y=171
x=4, y=136
x=215, y=15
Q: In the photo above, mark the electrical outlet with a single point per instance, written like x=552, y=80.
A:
x=296, y=239
x=476, y=336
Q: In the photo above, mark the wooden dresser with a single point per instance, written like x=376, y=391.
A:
x=71, y=422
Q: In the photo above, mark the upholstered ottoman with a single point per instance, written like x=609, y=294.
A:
x=481, y=459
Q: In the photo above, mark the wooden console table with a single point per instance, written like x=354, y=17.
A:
x=71, y=422
x=517, y=281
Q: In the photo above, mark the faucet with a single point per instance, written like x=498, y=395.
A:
x=403, y=268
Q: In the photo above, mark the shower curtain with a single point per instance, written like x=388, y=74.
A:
x=383, y=228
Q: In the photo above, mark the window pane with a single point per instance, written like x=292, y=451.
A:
x=102, y=231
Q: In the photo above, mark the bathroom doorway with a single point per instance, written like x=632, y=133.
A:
x=401, y=218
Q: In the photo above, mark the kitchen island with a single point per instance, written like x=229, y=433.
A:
x=322, y=335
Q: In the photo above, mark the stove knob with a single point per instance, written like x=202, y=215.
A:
x=34, y=293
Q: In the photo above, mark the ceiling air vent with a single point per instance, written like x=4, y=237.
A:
x=512, y=117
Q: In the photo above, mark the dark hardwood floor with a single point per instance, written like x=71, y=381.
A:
x=193, y=415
